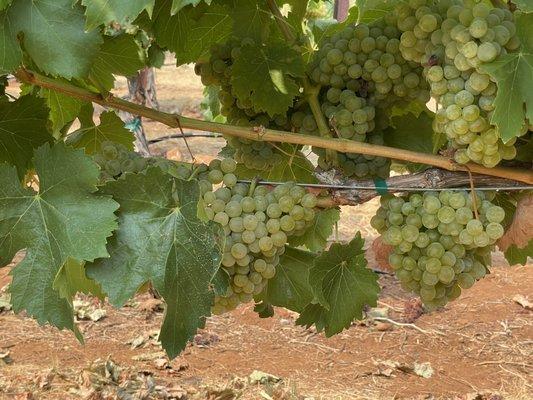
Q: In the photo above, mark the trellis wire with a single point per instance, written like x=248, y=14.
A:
x=390, y=188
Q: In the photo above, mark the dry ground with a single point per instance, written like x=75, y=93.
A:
x=479, y=347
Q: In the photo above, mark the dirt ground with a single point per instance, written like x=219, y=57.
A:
x=479, y=347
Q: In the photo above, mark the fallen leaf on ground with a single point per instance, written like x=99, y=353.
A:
x=6, y=358
x=262, y=378
x=523, y=301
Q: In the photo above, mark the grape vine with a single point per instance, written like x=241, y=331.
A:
x=302, y=101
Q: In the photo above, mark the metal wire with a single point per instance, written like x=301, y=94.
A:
x=390, y=188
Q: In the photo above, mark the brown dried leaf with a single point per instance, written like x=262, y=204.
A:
x=381, y=254
x=520, y=232
x=523, y=301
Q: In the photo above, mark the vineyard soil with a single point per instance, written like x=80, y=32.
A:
x=479, y=344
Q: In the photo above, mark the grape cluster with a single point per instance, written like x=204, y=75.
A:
x=256, y=223
x=218, y=72
x=440, y=247
x=452, y=39
x=115, y=159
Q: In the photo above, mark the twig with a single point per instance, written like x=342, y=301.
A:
x=269, y=135
x=391, y=321
x=492, y=362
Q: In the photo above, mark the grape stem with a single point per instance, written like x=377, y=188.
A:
x=269, y=135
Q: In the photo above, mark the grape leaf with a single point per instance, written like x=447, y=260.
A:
x=179, y=4
x=4, y=4
x=516, y=255
x=103, y=12
x=513, y=74
x=119, y=55
x=10, y=53
x=266, y=75
x=71, y=279
x=293, y=167
x=63, y=108
x=191, y=32
x=524, y=5
x=64, y=219
x=264, y=310
x=251, y=19
x=342, y=286
x=111, y=129
x=160, y=239
x=55, y=36
x=371, y=10
x=297, y=12
x=22, y=129
x=290, y=286
x=316, y=236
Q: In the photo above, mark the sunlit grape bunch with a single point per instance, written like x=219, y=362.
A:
x=115, y=159
x=440, y=247
x=256, y=221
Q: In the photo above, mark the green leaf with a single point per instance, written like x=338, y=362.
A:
x=372, y=10
x=71, y=279
x=264, y=310
x=111, y=129
x=516, y=255
x=297, y=12
x=119, y=55
x=64, y=219
x=55, y=36
x=342, y=285
x=161, y=240
x=177, y=5
x=266, y=75
x=292, y=167
x=63, y=108
x=22, y=129
x=524, y=5
x=251, y=19
x=4, y=4
x=10, y=53
x=192, y=31
x=316, y=236
x=513, y=74
x=106, y=11
x=290, y=286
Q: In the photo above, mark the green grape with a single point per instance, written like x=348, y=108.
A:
x=495, y=214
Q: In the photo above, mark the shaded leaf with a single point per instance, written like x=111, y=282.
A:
x=22, y=129
x=371, y=10
x=264, y=310
x=111, y=129
x=63, y=108
x=104, y=12
x=10, y=53
x=516, y=255
x=316, y=236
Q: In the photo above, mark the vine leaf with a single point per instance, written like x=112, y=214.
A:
x=65, y=219
x=111, y=129
x=161, y=240
x=71, y=279
x=251, y=19
x=513, y=74
x=372, y=10
x=63, y=108
x=298, y=10
x=264, y=310
x=517, y=255
x=22, y=129
x=524, y=5
x=119, y=55
x=315, y=238
x=290, y=286
x=191, y=32
x=179, y=4
x=4, y=4
x=104, y=12
x=293, y=166
x=54, y=36
x=10, y=53
x=342, y=286
x=265, y=74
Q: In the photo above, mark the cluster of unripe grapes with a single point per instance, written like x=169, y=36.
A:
x=439, y=245
x=115, y=159
x=452, y=39
x=257, y=222
x=218, y=72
